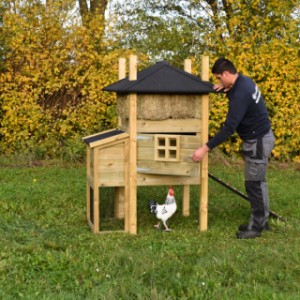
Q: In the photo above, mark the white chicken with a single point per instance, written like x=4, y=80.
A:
x=164, y=211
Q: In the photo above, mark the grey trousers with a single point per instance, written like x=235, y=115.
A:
x=256, y=154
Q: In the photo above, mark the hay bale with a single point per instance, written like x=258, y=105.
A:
x=161, y=107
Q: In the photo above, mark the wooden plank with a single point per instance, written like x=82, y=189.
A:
x=148, y=154
x=168, y=168
x=111, y=153
x=151, y=179
x=110, y=178
x=169, y=126
x=111, y=165
x=115, y=170
x=111, y=183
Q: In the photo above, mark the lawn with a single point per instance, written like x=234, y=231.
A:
x=47, y=250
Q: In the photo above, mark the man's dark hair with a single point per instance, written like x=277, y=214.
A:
x=221, y=65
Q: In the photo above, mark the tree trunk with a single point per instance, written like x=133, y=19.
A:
x=216, y=17
x=96, y=7
x=83, y=8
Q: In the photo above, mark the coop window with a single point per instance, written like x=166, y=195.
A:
x=167, y=147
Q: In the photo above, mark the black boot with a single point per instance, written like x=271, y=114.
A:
x=248, y=234
x=244, y=227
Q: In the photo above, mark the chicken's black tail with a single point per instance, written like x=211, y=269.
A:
x=152, y=206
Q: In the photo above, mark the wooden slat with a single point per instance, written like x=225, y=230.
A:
x=112, y=166
x=168, y=168
x=111, y=153
x=150, y=179
x=113, y=183
x=148, y=154
x=110, y=178
x=169, y=125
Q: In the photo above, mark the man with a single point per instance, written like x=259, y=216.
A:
x=248, y=116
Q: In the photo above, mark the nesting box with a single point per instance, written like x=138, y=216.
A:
x=163, y=118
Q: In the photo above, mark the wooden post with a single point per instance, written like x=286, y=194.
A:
x=96, y=227
x=120, y=192
x=186, y=188
x=88, y=186
x=127, y=188
x=132, y=148
x=186, y=200
x=132, y=67
x=204, y=138
x=119, y=202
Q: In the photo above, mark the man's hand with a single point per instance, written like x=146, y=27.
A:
x=219, y=87
x=200, y=153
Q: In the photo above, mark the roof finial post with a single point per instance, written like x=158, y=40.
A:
x=188, y=65
x=122, y=68
x=205, y=68
x=132, y=67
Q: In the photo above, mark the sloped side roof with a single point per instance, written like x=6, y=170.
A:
x=105, y=137
x=162, y=78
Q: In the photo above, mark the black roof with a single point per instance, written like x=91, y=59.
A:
x=162, y=78
x=100, y=136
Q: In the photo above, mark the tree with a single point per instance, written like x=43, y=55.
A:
x=51, y=88
x=162, y=29
x=260, y=36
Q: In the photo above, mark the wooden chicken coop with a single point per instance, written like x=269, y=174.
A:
x=163, y=117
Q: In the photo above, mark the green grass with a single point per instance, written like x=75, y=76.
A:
x=47, y=250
